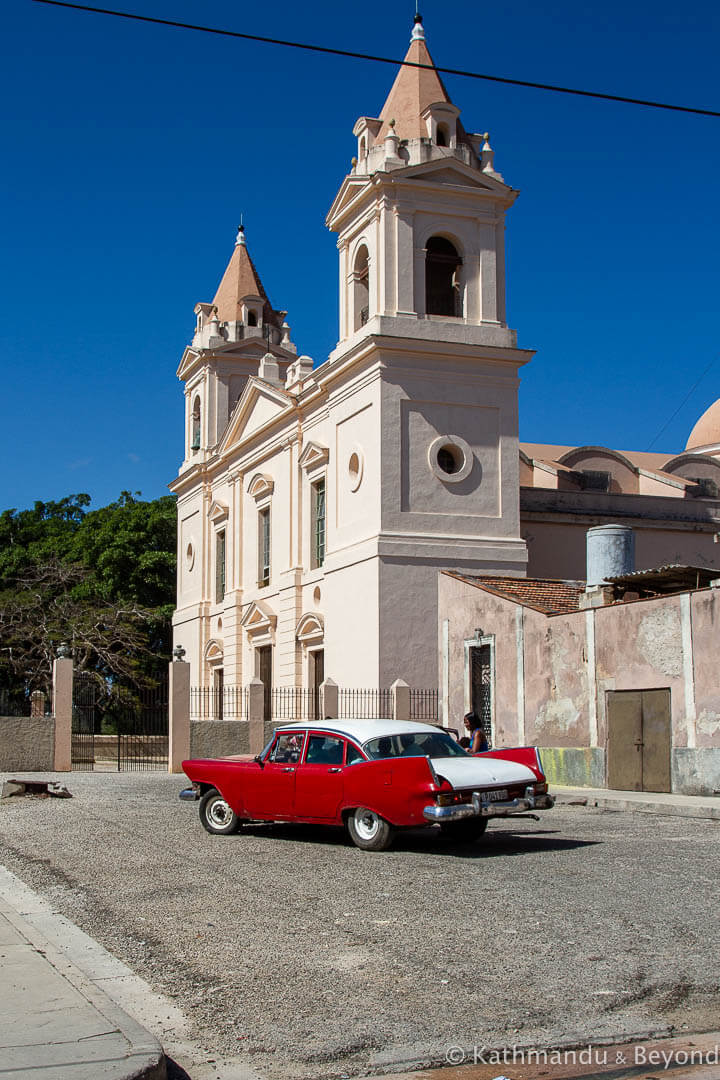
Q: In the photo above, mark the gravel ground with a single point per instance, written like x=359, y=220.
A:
x=289, y=948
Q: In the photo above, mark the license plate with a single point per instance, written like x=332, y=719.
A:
x=499, y=795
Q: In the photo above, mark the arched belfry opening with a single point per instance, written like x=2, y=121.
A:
x=442, y=278
x=361, y=293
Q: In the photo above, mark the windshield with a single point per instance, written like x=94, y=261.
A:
x=434, y=744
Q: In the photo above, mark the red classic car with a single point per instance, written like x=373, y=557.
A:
x=372, y=776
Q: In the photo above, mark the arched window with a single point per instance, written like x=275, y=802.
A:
x=252, y=318
x=442, y=267
x=441, y=136
x=195, y=433
x=361, y=279
x=363, y=147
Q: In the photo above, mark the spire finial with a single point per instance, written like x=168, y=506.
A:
x=240, y=238
x=418, y=33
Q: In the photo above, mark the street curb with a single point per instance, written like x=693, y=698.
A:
x=145, y=1058
x=684, y=806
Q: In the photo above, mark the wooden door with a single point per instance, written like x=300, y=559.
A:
x=265, y=676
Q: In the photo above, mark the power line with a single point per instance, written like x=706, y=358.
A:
x=381, y=59
x=682, y=404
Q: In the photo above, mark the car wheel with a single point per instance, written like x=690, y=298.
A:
x=369, y=831
x=216, y=815
x=465, y=831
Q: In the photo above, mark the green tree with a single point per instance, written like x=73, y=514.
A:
x=102, y=580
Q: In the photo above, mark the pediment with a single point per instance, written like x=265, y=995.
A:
x=261, y=485
x=218, y=511
x=259, y=404
x=351, y=188
x=313, y=456
x=453, y=171
x=311, y=628
x=213, y=653
x=259, y=619
x=188, y=363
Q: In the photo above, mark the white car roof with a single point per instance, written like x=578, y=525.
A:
x=361, y=730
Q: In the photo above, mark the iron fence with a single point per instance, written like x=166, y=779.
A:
x=424, y=705
x=219, y=703
x=294, y=703
x=14, y=702
x=364, y=704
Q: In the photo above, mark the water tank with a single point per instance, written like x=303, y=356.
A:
x=610, y=552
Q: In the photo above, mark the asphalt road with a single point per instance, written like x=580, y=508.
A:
x=292, y=950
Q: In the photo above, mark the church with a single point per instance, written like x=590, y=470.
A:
x=318, y=503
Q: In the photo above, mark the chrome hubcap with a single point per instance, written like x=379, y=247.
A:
x=367, y=824
x=219, y=813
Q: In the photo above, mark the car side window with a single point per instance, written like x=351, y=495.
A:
x=287, y=747
x=353, y=755
x=324, y=750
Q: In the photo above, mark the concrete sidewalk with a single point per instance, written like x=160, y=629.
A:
x=56, y=1022
x=648, y=802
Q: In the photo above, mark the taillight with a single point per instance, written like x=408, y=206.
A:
x=541, y=789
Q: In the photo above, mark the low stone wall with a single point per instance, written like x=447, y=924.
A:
x=220, y=738
x=27, y=744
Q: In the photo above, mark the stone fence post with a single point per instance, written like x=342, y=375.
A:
x=400, y=700
x=178, y=714
x=256, y=714
x=329, y=699
x=62, y=711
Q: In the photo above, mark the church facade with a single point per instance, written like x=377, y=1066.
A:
x=317, y=504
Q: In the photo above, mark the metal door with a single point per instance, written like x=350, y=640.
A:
x=481, y=686
x=318, y=677
x=142, y=730
x=639, y=740
x=82, y=740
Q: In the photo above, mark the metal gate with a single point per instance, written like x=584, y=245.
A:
x=481, y=686
x=84, y=720
x=142, y=730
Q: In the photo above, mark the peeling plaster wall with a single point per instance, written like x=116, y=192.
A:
x=705, y=620
x=556, y=706
x=648, y=644
x=639, y=646
x=467, y=608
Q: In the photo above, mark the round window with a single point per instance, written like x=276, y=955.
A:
x=450, y=458
x=355, y=469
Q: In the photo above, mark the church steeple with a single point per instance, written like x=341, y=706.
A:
x=421, y=218
x=235, y=334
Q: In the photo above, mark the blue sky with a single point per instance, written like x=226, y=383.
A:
x=131, y=151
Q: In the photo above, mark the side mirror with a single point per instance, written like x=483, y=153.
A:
x=259, y=761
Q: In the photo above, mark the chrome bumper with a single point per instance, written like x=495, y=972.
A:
x=480, y=807
x=190, y=794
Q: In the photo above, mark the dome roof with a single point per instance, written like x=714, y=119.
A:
x=707, y=430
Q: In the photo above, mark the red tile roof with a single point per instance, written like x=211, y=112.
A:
x=542, y=594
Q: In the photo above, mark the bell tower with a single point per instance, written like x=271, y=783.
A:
x=421, y=219
x=234, y=334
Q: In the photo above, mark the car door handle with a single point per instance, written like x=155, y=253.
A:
x=334, y=770
x=289, y=770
